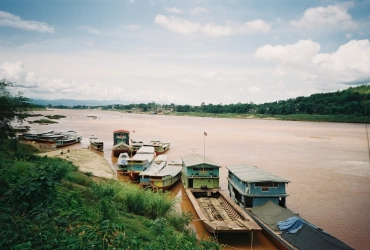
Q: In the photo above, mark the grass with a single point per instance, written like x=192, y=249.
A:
x=44, y=121
x=55, y=116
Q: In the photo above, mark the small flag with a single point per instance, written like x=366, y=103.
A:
x=205, y=133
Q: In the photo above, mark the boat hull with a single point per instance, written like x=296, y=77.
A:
x=98, y=147
x=118, y=151
x=134, y=176
x=218, y=213
x=63, y=143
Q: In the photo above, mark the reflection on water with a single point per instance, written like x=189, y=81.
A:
x=327, y=164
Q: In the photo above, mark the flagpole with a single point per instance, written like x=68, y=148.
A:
x=204, y=148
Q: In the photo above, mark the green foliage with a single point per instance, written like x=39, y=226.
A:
x=12, y=108
x=44, y=121
x=349, y=105
x=46, y=203
x=55, y=116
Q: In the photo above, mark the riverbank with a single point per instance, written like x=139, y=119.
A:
x=86, y=160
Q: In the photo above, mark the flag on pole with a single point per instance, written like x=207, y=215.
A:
x=205, y=133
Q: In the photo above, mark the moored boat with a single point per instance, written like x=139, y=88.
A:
x=96, y=144
x=136, y=145
x=35, y=136
x=68, y=141
x=157, y=165
x=215, y=209
x=160, y=147
x=122, y=163
x=52, y=137
x=219, y=214
x=121, y=142
x=140, y=161
x=262, y=195
x=167, y=176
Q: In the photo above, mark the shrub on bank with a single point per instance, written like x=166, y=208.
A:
x=46, y=203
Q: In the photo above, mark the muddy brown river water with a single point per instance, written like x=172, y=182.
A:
x=327, y=164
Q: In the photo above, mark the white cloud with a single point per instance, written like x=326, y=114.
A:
x=327, y=17
x=183, y=26
x=198, y=10
x=177, y=24
x=296, y=54
x=349, y=64
x=174, y=10
x=16, y=73
x=10, y=20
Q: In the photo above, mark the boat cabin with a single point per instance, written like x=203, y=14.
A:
x=199, y=171
x=251, y=186
x=168, y=176
x=121, y=136
x=156, y=165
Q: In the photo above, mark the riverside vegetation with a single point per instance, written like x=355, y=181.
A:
x=46, y=203
x=349, y=105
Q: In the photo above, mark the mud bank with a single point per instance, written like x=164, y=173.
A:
x=86, y=160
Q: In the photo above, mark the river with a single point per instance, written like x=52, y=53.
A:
x=327, y=164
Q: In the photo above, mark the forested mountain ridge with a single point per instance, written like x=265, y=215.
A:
x=349, y=105
x=352, y=101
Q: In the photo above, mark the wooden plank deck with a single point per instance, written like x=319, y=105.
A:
x=220, y=214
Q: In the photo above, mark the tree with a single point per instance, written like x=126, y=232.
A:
x=12, y=108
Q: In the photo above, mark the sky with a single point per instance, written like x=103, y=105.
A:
x=183, y=52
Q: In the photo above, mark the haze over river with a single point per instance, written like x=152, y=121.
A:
x=327, y=164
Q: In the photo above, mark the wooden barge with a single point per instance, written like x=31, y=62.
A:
x=218, y=213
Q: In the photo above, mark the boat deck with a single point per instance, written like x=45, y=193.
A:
x=219, y=214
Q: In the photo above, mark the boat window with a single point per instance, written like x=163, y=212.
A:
x=266, y=184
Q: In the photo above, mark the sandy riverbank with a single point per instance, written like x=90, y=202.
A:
x=86, y=160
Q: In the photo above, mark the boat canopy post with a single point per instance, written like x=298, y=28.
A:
x=204, y=149
x=251, y=239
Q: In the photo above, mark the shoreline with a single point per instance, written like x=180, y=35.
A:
x=85, y=159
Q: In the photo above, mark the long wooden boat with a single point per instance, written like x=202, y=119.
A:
x=157, y=165
x=140, y=161
x=68, y=141
x=96, y=144
x=167, y=176
x=218, y=213
x=35, y=136
x=54, y=136
x=159, y=146
x=305, y=236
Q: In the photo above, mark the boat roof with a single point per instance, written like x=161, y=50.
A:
x=196, y=159
x=121, y=131
x=123, y=155
x=251, y=174
x=145, y=150
x=172, y=169
x=158, y=163
x=144, y=153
